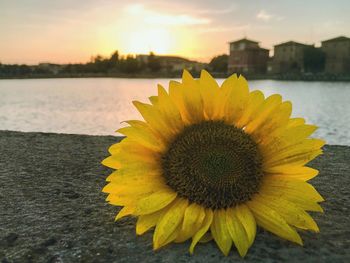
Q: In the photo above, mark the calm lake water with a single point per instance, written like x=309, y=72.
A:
x=98, y=106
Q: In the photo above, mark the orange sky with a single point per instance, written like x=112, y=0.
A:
x=65, y=31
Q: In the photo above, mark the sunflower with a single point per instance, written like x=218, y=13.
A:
x=214, y=162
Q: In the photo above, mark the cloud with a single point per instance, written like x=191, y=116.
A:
x=165, y=19
x=239, y=28
x=172, y=20
x=263, y=15
x=214, y=11
x=134, y=9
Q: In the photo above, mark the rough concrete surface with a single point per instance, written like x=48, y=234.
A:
x=52, y=209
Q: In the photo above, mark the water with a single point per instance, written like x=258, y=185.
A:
x=98, y=106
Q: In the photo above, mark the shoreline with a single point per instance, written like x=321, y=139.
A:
x=286, y=77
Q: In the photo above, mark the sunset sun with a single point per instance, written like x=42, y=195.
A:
x=145, y=41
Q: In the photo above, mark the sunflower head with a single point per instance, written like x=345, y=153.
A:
x=213, y=162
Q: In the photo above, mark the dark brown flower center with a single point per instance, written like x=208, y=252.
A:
x=213, y=164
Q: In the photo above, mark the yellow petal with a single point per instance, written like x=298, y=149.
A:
x=154, y=100
x=111, y=162
x=267, y=108
x=131, y=152
x=143, y=135
x=246, y=217
x=153, y=117
x=220, y=232
x=237, y=99
x=122, y=200
x=237, y=232
x=155, y=202
x=131, y=189
x=169, y=110
x=270, y=220
x=141, y=170
x=209, y=90
x=124, y=181
x=221, y=100
x=277, y=120
x=287, y=137
x=206, y=238
x=303, y=173
x=291, y=213
x=145, y=222
x=125, y=211
x=202, y=230
x=290, y=186
x=172, y=236
x=192, y=98
x=175, y=93
x=300, y=193
x=305, y=146
x=294, y=160
x=255, y=100
x=295, y=122
x=193, y=219
x=114, y=148
x=169, y=223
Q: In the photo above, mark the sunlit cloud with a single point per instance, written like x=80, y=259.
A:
x=214, y=11
x=134, y=9
x=239, y=28
x=153, y=17
x=263, y=15
x=173, y=20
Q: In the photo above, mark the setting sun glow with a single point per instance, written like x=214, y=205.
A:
x=145, y=41
x=75, y=31
x=142, y=31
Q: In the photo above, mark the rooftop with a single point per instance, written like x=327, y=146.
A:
x=337, y=39
x=244, y=40
x=292, y=43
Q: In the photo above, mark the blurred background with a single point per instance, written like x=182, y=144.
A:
x=75, y=66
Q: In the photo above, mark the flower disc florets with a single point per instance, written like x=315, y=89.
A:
x=213, y=164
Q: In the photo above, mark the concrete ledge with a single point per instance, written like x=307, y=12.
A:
x=52, y=209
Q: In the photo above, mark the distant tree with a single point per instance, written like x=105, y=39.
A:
x=115, y=56
x=314, y=60
x=219, y=63
x=101, y=64
x=129, y=65
x=114, y=60
x=153, y=62
x=24, y=70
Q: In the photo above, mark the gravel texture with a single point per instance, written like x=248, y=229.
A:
x=52, y=209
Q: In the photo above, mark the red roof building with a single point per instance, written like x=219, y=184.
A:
x=247, y=57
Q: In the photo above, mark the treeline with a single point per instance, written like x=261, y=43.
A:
x=115, y=64
x=21, y=70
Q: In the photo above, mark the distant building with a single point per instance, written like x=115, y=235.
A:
x=173, y=63
x=288, y=57
x=337, y=51
x=247, y=57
